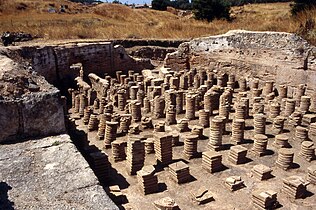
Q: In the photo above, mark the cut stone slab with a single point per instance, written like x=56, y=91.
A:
x=261, y=172
x=166, y=203
x=202, y=196
x=49, y=173
x=234, y=183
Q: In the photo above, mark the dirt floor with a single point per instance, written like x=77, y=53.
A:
x=223, y=197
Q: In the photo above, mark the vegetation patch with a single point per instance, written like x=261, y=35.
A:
x=117, y=21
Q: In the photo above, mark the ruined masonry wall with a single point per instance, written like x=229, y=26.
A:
x=37, y=114
x=29, y=105
x=41, y=113
x=283, y=57
x=53, y=61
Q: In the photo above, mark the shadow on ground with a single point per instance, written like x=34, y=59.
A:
x=5, y=203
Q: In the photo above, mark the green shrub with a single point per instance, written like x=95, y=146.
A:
x=211, y=9
x=301, y=5
x=160, y=4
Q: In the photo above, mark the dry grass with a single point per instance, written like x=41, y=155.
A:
x=112, y=21
x=306, y=25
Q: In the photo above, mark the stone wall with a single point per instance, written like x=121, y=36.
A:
x=29, y=105
x=150, y=52
x=284, y=57
x=54, y=61
x=39, y=114
x=127, y=43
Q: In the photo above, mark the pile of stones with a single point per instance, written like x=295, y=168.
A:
x=294, y=187
x=212, y=161
x=147, y=180
x=265, y=199
x=180, y=172
x=237, y=154
x=261, y=172
x=311, y=176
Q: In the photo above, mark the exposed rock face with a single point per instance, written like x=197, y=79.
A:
x=29, y=105
x=284, y=57
x=48, y=173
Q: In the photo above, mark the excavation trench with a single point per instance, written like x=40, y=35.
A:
x=184, y=117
